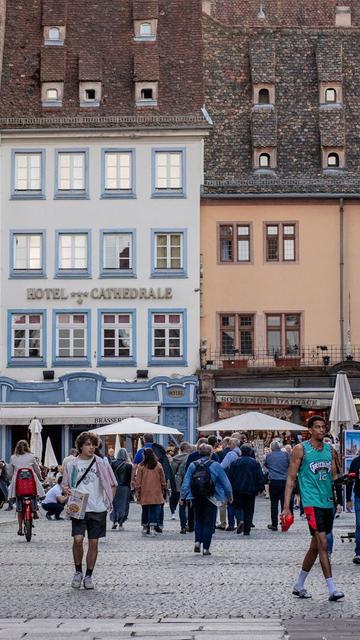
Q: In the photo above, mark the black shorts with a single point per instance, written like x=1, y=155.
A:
x=320, y=520
x=94, y=523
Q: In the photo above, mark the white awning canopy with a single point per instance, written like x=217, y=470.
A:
x=77, y=413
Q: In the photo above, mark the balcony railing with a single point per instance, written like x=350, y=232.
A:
x=307, y=356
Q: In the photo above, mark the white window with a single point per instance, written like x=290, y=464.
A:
x=264, y=160
x=117, y=251
x=116, y=335
x=71, y=171
x=27, y=252
x=73, y=251
x=54, y=33
x=330, y=96
x=169, y=251
x=145, y=29
x=52, y=94
x=71, y=332
x=118, y=171
x=27, y=171
x=168, y=171
x=26, y=336
x=167, y=335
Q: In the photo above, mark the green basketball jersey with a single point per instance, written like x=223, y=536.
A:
x=315, y=477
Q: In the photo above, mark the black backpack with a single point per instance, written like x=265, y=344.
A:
x=202, y=484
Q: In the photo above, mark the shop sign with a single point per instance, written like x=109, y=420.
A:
x=103, y=420
x=176, y=393
x=101, y=293
x=274, y=400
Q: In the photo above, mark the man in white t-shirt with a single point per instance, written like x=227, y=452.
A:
x=92, y=475
x=54, y=501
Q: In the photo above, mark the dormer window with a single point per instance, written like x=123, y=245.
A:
x=333, y=160
x=145, y=30
x=90, y=94
x=264, y=158
x=54, y=35
x=330, y=96
x=52, y=94
x=263, y=95
x=146, y=94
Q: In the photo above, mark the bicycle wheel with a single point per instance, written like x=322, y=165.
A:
x=28, y=529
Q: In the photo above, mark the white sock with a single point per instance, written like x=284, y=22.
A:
x=299, y=584
x=330, y=585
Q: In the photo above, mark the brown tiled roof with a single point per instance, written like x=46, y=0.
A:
x=54, y=12
x=282, y=13
x=300, y=60
x=146, y=61
x=52, y=66
x=99, y=45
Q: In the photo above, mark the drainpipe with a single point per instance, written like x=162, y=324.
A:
x=341, y=238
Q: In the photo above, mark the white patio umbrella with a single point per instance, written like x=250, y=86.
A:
x=343, y=409
x=131, y=426
x=50, y=457
x=117, y=445
x=251, y=421
x=36, y=443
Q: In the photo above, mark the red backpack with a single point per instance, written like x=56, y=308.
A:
x=25, y=483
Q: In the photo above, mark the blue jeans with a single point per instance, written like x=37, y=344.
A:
x=186, y=515
x=231, y=515
x=151, y=515
x=357, y=530
x=205, y=519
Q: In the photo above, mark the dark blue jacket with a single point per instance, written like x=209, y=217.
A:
x=246, y=476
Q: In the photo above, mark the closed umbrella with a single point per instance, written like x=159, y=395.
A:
x=36, y=443
x=252, y=421
x=50, y=457
x=343, y=411
x=117, y=445
x=139, y=444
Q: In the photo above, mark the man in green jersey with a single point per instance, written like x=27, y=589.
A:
x=313, y=462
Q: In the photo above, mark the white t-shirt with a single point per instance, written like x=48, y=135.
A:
x=91, y=485
x=52, y=494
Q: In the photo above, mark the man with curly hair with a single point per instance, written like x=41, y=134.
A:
x=92, y=475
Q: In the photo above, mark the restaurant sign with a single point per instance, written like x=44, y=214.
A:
x=274, y=400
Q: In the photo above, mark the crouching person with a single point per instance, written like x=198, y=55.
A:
x=89, y=474
x=54, y=501
x=207, y=484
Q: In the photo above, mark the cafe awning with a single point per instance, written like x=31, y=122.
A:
x=67, y=413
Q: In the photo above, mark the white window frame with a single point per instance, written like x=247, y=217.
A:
x=28, y=188
x=166, y=327
x=72, y=155
x=167, y=188
x=28, y=237
x=27, y=327
x=73, y=237
x=71, y=326
x=168, y=251
x=119, y=168
x=116, y=327
x=117, y=234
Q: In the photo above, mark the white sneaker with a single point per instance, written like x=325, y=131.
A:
x=173, y=516
x=121, y=527
x=77, y=580
x=88, y=582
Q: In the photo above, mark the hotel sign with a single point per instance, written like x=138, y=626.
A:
x=274, y=400
x=101, y=293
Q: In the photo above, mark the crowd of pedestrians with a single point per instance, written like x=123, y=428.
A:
x=213, y=484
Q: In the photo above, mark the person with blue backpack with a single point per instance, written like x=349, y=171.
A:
x=208, y=486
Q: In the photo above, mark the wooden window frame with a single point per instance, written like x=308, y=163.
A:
x=234, y=241
x=283, y=330
x=237, y=333
x=281, y=241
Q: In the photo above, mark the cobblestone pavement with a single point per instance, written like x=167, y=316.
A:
x=245, y=577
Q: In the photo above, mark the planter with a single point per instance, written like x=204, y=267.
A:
x=289, y=362
x=235, y=363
